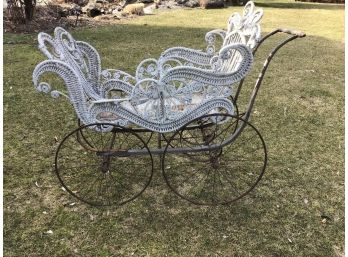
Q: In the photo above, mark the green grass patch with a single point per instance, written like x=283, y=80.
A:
x=299, y=112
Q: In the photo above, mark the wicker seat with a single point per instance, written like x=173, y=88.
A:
x=183, y=84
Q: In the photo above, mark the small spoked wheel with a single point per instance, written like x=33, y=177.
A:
x=104, y=164
x=218, y=162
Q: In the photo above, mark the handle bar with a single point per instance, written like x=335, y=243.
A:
x=292, y=32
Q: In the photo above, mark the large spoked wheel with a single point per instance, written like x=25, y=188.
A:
x=222, y=173
x=98, y=165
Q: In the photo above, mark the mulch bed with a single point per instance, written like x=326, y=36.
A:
x=47, y=17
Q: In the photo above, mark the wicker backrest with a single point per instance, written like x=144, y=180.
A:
x=80, y=56
x=247, y=24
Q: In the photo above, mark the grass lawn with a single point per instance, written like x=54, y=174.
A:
x=296, y=210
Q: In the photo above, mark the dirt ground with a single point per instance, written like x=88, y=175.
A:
x=48, y=16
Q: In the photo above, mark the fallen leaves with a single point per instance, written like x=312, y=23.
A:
x=48, y=232
x=325, y=219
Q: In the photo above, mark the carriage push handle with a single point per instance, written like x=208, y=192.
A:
x=292, y=32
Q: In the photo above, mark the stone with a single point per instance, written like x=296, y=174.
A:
x=137, y=9
x=81, y=2
x=191, y=3
x=91, y=4
x=93, y=12
x=117, y=14
x=211, y=4
x=150, y=8
x=63, y=12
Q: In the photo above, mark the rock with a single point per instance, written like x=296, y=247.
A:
x=137, y=9
x=127, y=2
x=76, y=10
x=117, y=14
x=170, y=4
x=181, y=1
x=81, y=2
x=63, y=12
x=76, y=7
x=149, y=9
x=93, y=12
x=91, y=4
x=211, y=4
x=85, y=8
x=191, y=3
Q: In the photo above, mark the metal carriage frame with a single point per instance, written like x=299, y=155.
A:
x=201, y=143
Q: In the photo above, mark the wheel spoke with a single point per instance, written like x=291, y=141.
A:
x=215, y=176
x=101, y=180
x=231, y=183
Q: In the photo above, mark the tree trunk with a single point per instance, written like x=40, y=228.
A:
x=29, y=7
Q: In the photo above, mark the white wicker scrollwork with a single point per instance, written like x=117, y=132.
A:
x=246, y=25
x=165, y=94
x=147, y=69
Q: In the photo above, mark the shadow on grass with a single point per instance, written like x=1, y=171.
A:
x=299, y=5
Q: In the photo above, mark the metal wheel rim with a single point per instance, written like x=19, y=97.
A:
x=90, y=202
x=234, y=199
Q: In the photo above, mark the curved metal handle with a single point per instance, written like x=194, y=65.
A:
x=292, y=32
x=293, y=35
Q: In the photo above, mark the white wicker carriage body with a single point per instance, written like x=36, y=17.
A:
x=165, y=94
x=213, y=155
